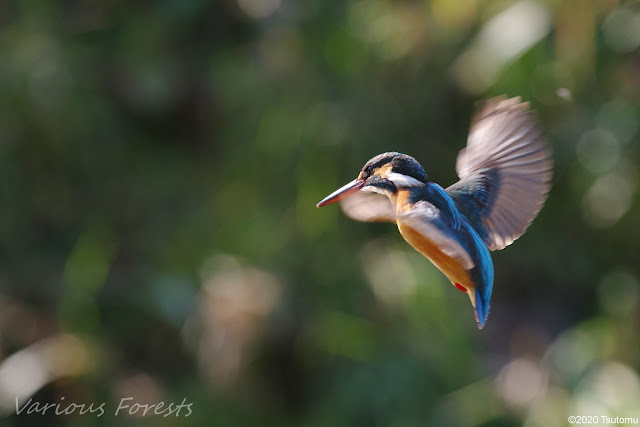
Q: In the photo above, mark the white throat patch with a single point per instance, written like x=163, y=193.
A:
x=374, y=189
x=403, y=181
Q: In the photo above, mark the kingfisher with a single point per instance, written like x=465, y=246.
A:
x=504, y=175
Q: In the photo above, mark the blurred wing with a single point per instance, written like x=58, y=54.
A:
x=505, y=172
x=368, y=207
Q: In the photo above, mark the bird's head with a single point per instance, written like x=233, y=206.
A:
x=384, y=174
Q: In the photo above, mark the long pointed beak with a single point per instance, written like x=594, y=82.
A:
x=342, y=192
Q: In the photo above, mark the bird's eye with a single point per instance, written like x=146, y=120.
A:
x=366, y=173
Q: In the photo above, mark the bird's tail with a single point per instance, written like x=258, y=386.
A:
x=480, y=302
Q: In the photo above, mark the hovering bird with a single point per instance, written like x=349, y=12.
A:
x=505, y=174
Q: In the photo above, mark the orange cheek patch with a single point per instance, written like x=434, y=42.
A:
x=459, y=286
x=384, y=170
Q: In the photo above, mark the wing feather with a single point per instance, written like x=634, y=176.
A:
x=368, y=207
x=505, y=171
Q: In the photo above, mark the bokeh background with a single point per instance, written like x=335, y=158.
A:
x=160, y=163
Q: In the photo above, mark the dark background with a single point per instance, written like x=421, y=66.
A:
x=160, y=163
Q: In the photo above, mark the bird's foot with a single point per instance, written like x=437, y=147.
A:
x=459, y=286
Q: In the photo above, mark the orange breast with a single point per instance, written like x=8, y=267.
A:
x=451, y=267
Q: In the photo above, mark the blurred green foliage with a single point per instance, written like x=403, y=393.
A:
x=160, y=166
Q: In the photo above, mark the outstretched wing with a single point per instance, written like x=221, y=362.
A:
x=505, y=172
x=368, y=207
